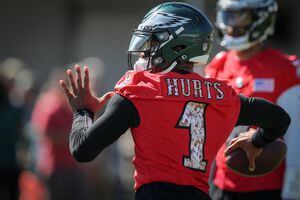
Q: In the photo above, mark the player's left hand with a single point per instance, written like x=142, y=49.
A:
x=79, y=94
x=244, y=141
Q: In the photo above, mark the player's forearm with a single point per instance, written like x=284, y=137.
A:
x=88, y=139
x=272, y=120
x=80, y=136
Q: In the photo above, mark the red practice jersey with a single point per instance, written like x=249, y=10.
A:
x=268, y=74
x=184, y=120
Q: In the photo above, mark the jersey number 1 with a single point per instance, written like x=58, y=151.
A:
x=193, y=119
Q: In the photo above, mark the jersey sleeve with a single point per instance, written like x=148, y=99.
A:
x=217, y=64
x=127, y=86
x=290, y=76
x=88, y=139
x=127, y=79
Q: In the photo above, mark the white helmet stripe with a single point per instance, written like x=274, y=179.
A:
x=170, y=38
x=169, y=68
x=201, y=60
x=177, y=32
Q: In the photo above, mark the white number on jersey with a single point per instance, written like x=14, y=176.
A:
x=193, y=119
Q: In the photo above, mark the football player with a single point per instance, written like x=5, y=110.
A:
x=178, y=118
x=253, y=69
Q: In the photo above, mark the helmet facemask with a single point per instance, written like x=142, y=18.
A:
x=144, y=47
x=243, y=27
x=234, y=27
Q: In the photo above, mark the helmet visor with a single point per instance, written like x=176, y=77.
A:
x=235, y=18
x=140, y=42
x=234, y=23
x=142, y=47
x=145, y=41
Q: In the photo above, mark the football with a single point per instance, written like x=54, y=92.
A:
x=270, y=158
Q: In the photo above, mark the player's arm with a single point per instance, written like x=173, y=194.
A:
x=271, y=119
x=88, y=139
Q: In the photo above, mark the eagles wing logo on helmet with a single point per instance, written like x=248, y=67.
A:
x=164, y=20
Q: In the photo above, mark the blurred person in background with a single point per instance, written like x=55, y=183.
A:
x=172, y=117
x=22, y=92
x=256, y=70
x=51, y=121
x=11, y=135
x=22, y=87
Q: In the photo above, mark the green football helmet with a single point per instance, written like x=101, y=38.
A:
x=171, y=34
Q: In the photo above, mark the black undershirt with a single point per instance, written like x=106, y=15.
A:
x=271, y=119
x=88, y=139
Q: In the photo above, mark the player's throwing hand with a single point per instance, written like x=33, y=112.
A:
x=79, y=94
x=244, y=141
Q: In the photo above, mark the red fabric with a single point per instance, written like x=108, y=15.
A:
x=31, y=188
x=161, y=140
x=52, y=119
x=242, y=75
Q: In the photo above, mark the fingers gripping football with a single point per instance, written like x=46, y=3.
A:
x=244, y=141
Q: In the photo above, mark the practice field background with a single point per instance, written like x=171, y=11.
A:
x=50, y=33
x=47, y=34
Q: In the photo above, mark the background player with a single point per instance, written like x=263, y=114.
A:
x=254, y=69
x=172, y=112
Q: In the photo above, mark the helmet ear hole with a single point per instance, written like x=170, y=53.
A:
x=179, y=48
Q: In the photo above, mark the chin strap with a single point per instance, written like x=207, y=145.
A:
x=169, y=68
x=200, y=60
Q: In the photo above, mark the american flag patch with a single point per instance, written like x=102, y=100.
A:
x=264, y=85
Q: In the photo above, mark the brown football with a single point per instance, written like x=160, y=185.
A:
x=270, y=158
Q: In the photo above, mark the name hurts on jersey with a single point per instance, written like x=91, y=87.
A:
x=197, y=88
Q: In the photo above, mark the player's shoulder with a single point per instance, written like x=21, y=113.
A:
x=288, y=64
x=129, y=78
x=220, y=56
x=218, y=59
x=138, y=84
x=295, y=60
x=280, y=57
x=216, y=64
